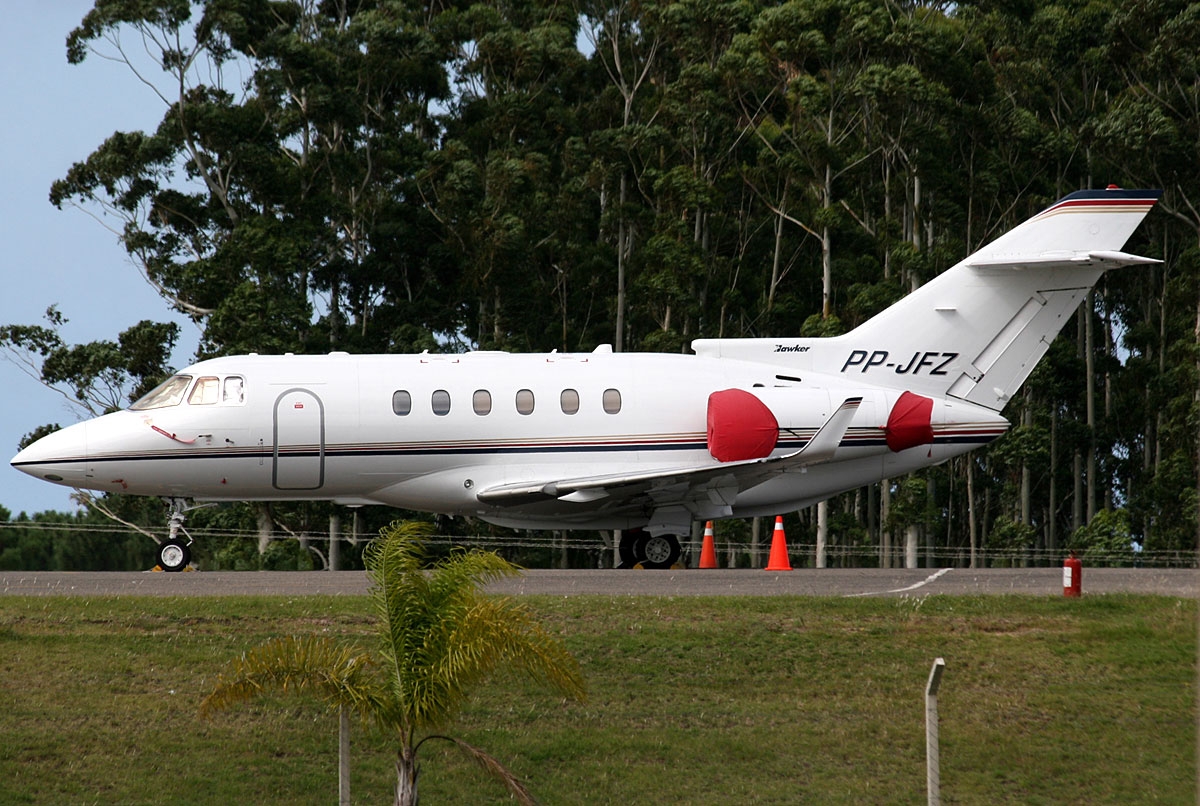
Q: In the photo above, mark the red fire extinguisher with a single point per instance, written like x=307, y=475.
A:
x=1072, y=576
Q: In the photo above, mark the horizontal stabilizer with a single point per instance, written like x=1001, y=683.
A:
x=976, y=331
x=1098, y=259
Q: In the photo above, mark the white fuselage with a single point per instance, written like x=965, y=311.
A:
x=431, y=433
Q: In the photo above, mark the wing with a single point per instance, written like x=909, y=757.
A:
x=705, y=491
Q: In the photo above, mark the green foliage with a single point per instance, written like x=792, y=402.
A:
x=412, y=177
x=36, y=434
x=1107, y=540
x=99, y=376
x=1010, y=539
x=81, y=541
x=674, y=678
x=439, y=638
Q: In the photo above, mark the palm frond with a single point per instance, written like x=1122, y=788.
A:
x=502, y=632
x=332, y=670
x=442, y=634
x=492, y=766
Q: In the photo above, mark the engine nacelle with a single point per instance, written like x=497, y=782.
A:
x=751, y=423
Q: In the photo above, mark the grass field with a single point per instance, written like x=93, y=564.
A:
x=696, y=700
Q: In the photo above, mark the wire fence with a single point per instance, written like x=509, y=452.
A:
x=593, y=549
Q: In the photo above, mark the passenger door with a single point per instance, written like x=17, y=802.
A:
x=299, y=456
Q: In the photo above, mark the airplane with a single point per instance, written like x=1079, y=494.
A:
x=646, y=443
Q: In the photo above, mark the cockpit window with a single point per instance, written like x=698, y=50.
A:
x=234, y=391
x=168, y=393
x=204, y=393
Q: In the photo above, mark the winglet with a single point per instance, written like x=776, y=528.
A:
x=827, y=439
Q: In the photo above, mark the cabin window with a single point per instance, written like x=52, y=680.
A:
x=168, y=393
x=204, y=393
x=524, y=401
x=481, y=401
x=401, y=403
x=569, y=399
x=612, y=401
x=234, y=391
x=440, y=401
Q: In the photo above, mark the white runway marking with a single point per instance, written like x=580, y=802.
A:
x=913, y=587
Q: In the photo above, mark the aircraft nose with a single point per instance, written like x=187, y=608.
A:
x=60, y=457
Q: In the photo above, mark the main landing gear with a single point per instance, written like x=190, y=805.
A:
x=175, y=553
x=638, y=547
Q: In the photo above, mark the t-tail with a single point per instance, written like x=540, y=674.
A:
x=976, y=331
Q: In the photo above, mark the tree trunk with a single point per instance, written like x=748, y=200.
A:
x=927, y=527
x=873, y=533
x=1026, y=480
x=971, y=532
x=827, y=249
x=1090, y=362
x=822, y=531
x=912, y=542
x=777, y=252
x=335, y=539
x=1052, y=520
x=406, y=778
x=619, y=336
x=885, y=529
x=1196, y=334
x=1108, y=351
x=266, y=525
x=1077, y=501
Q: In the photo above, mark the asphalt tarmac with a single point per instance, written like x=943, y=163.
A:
x=836, y=582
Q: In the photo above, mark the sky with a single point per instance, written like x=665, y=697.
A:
x=56, y=114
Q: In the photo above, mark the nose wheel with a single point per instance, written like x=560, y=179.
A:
x=174, y=555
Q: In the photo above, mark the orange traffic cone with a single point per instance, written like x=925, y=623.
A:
x=778, y=561
x=708, y=551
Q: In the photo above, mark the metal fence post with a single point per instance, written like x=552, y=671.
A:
x=932, y=772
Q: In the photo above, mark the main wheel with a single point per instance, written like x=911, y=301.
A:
x=173, y=555
x=628, y=547
x=657, y=551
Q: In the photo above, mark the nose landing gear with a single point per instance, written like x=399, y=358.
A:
x=175, y=553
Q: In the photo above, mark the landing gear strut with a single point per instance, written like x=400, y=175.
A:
x=637, y=547
x=175, y=553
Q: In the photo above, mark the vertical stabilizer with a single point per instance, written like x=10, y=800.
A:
x=976, y=331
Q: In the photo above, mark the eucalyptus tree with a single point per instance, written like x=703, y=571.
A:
x=813, y=53
x=1152, y=128
x=97, y=377
x=505, y=183
x=253, y=206
x=622, y=128
x=691, y=181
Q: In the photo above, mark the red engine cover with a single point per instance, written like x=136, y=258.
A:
x=909, y=424
x=740, y=426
